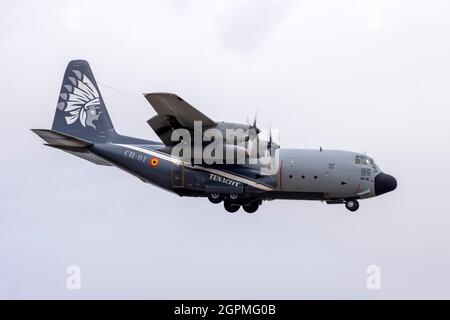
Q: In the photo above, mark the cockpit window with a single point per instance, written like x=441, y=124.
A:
x=365, y=172
x=363, y=160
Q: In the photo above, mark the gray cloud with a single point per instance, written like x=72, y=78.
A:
x=247, y=24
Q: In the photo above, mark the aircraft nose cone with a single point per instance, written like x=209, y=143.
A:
x=384, y=183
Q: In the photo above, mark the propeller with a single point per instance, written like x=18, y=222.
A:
x=270, y=144
x=252, y=126
x=253, y=139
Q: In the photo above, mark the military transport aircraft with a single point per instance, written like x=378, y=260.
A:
x=83, y=128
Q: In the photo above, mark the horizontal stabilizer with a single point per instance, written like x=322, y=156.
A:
x=58, y=139
x=75, y=146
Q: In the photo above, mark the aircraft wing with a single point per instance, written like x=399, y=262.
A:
x=174, y=113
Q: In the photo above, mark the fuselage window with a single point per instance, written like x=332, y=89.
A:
x=365, y=172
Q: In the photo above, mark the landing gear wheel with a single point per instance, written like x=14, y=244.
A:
x=215, y=198
x=233, y=196
x=231, y=207
x=251, y=208
x=352, y=205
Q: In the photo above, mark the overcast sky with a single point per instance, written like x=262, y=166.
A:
x=357, y=75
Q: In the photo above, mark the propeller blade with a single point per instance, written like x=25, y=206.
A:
x=269, y=145
x=253, y=126
x=272, y=146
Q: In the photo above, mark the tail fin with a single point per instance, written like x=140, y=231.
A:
x=81, y=111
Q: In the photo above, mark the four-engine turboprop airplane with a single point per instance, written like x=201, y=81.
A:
x=83, y=128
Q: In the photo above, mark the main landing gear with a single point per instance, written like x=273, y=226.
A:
x=232, y=203
x=252, y=207
x=352, y=205
x=215, y=198
x=231, y=207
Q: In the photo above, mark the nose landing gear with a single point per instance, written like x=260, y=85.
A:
x=352, y=205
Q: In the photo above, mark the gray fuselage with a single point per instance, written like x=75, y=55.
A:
x=328, y=175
